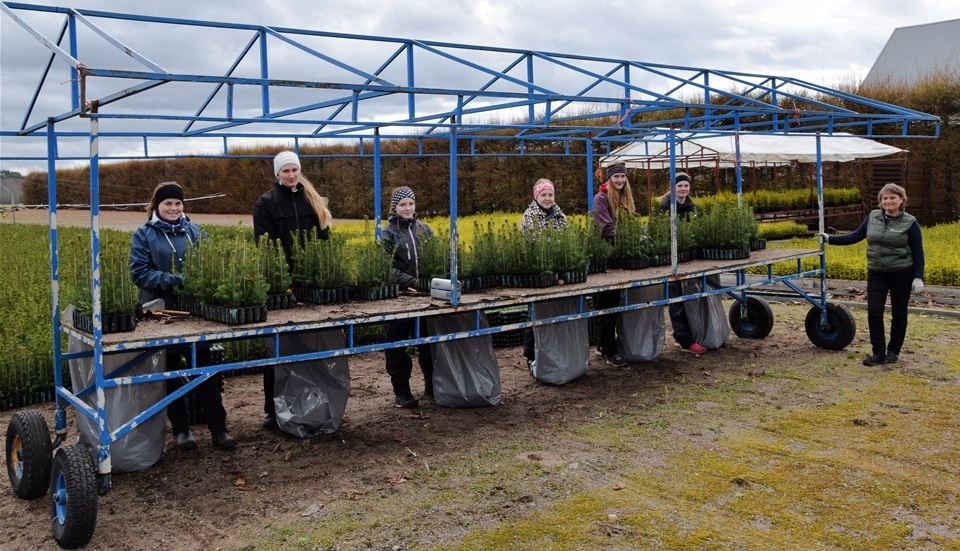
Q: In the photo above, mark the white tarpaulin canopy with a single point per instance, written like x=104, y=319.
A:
x=698, y=149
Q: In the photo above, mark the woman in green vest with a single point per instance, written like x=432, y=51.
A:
x=894, y=267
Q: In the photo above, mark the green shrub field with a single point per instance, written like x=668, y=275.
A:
x=25, y=308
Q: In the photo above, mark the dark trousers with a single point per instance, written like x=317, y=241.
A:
x=269, y=384
x=898, y=286
x=678, y=317
x=607, y=323
x=399, y=363
x=209, y=392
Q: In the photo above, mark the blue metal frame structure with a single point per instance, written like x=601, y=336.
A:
x=132, y=101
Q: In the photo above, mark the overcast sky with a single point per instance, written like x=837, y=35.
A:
x=827, y=42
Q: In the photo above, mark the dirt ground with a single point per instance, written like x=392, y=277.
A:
x=211, y=499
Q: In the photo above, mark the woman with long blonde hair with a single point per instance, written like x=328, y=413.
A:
x=615, y=197
x=292, y=207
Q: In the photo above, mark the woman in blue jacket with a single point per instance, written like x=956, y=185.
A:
x=401, y=237
x=156, y=256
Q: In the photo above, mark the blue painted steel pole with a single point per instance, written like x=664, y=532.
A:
x=454, y=238
x=674, y=256
x=103, y=451
x=60, y=417
x=377, y=183
x=589, y=145
x=823, y=256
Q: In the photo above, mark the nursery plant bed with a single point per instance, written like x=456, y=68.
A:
x=724, y=254
x=281, y=301
x=573, y=276
x=533, y=281
x=632, y=263
x=381, y=292
x=234, y=316
x=112, y=323
x=322, y=296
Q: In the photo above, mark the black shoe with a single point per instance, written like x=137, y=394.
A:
x=616, y=360
x=270, y=422
x=876, y=359
x=405, y=401
x=223, y=440
x=892, y=358
x=185, y=441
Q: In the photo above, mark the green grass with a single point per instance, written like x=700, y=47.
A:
x=815, y=452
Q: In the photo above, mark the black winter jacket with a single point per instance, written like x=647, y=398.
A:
x=401, y=237
x=280, y=212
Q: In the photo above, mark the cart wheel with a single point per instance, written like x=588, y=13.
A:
x=838, y=331
x=29, y=454
x=751, y=319
x=73, y=496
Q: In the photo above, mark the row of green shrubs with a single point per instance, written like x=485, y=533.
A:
x=25, y=309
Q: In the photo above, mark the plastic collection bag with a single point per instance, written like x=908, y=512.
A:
x=562, y=350
x=140, y=448
x=465, y=371
x=707, y=319
x=311, y=396
x=640, y=333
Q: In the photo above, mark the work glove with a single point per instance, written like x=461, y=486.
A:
x=824, y=238
x=917, y=284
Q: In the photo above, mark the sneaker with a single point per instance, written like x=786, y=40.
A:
x=695, y=348
x=876, y=359
x=185, y=441
x=892, y=358
x=616, y=360
x=531, y=365
x=405, y=401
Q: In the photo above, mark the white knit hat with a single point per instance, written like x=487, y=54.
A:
x=285, y=158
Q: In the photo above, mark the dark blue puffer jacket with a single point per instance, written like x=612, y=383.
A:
x=155, y=249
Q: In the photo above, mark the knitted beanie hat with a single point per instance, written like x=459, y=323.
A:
x=167, y=190
x=402, y=192
x=615, y=169
x=285, y=158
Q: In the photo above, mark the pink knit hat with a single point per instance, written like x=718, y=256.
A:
x=540, y=186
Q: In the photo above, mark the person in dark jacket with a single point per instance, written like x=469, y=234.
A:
x=615, y=197
x=292, y=207
x=401, y=236
x=156, y=256
x=894, y=267
x=678, y=315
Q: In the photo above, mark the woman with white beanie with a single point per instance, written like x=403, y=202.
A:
x=292, y=205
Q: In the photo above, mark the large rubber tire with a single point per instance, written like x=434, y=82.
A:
x=757, y=321
x=73, y=496
x=837, y=333
x=29, y=454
